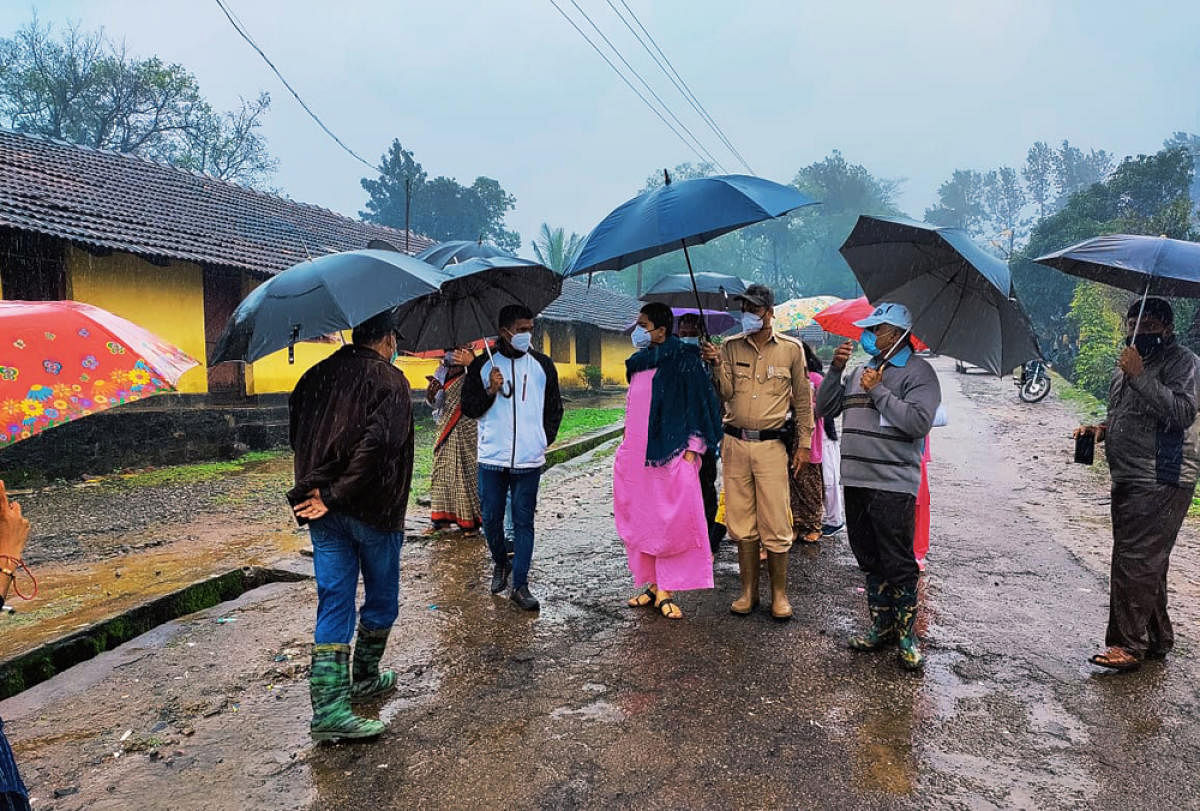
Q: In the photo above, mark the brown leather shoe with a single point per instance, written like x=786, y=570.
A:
x=777, y=563
x=748, y=568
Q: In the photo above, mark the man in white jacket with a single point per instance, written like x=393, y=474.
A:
x=513, y=393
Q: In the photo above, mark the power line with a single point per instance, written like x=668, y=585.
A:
x=711, y=158
x=685, y=90
x=246, y=36
x=625, y=79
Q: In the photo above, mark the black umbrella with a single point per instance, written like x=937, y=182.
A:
x=315, y=298
x=456, y=251
x=713, y=290
x=959, y=294
x=467, y=303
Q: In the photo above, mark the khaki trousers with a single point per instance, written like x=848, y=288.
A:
x=757, y=495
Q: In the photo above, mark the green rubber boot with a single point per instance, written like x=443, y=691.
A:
x=367, y=681
x=905, y=600
x=883, y=617
x=329, y=685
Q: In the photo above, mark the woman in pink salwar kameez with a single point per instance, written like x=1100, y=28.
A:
x=671, y=417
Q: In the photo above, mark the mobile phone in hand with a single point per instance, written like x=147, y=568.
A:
x=1085, y=448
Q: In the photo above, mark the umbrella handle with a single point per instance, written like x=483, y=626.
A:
x=1137, y=325
x=695, y=288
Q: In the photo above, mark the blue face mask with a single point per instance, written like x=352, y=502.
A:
x=640, y=337
x=751, y=322
x=691, y=340
x=867, y=341
x=522, y=341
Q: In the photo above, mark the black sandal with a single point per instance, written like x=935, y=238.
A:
x=637, y=601
x=659, y=606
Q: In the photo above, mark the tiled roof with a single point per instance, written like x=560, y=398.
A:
x=127, y=203
x=593, y=305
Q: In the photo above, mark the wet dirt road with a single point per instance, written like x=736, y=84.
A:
x=593, y=704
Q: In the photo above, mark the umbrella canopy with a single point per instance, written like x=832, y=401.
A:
x=63, y=360
x=715, y=290
x=457, y=251
x=467, y=302
x=797, y=313
x=330, y=293
x=717, y=321
x=690, y=212
x=1162, y=266
x=839, y=318
x=959, y=294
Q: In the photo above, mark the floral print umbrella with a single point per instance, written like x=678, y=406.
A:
x=60, y=360
x=798, y=313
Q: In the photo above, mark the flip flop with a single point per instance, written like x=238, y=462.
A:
x=636, y=602
x=667, y=603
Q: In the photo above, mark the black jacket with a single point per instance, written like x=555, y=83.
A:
x=351, y=429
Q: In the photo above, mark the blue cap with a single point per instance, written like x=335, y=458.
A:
x=888, y=313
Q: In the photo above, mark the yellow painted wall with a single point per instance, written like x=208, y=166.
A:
x=273, y=375
x=614, y=349
x=168, y=301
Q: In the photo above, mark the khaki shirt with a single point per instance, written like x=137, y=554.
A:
x=760, y=387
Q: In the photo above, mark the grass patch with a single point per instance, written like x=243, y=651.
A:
x=1088, y=407
x=579, y=421
x=201, y=472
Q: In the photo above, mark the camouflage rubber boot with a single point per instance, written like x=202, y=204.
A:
x=883, y=617
x=367, y=681
x=329, y=685
x=905, y=600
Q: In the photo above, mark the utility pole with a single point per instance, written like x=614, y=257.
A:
x=407, y=207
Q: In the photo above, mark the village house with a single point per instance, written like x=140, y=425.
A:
x=175, y=251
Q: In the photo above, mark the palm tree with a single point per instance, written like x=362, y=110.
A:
x=554, y=249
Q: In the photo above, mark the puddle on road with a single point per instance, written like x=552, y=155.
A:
x=73, y=596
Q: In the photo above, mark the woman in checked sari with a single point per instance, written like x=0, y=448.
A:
x=454, y=486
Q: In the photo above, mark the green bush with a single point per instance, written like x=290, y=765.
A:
x=592, y=376
x=1099, y=324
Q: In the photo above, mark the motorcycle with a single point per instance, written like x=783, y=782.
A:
x=1034, y=381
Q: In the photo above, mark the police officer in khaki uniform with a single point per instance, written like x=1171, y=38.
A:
x=763, y=380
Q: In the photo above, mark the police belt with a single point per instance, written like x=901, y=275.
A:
x=745, y=435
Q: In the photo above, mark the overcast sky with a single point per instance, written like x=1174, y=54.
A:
x=506, y=88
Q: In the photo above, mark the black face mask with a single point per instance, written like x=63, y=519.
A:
x=1146, y=344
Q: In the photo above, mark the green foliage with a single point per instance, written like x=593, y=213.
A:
x=201, y=472
x=960, y=202
x=442, y=208
x=1099, y=326
x=592, y=376
x=579, y=421
x=82, y=88
x=554, y=249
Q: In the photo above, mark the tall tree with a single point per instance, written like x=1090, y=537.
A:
x=1004, y=204
x=960, y=202
x=1190, y=142
x=1076, y=170
x=81, y=88
x=442, y=208
x=554, y=249
x=1039, y=175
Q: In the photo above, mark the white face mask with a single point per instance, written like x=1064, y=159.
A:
x=640, y=337
x=751, y=322
x=522, y=341
x=691, y=340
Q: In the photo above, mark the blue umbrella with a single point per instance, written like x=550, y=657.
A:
x=467, y=302
x=677, y=215
x=457, y=251
x=315, y=298
x=1135, y=263
x=959, y=294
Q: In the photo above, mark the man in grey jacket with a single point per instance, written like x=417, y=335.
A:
x=889, y=405
x=1153, y=458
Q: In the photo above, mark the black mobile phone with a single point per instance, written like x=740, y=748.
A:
x=1085, y=448
x=292, y=502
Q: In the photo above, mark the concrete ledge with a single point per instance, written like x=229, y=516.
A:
x=580, y=446
x=30, y=667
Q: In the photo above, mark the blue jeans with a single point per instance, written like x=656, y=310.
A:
x=508, y=525
x=519, y=487
x=342, y=547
